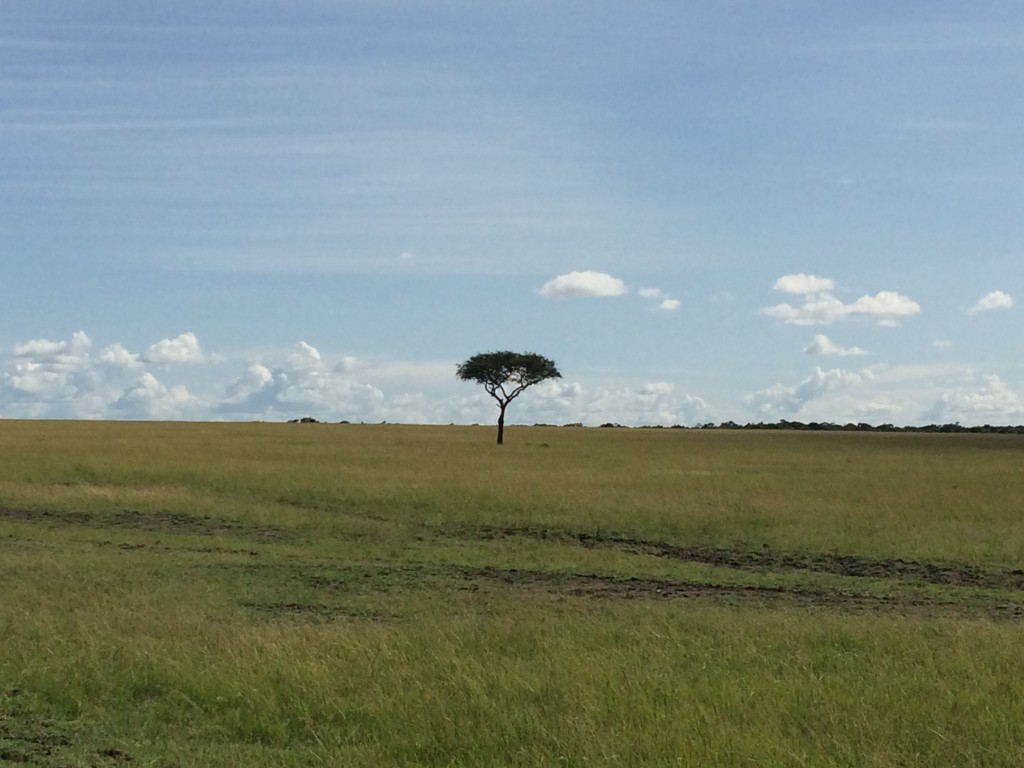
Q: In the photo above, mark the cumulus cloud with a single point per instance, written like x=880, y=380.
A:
x=116, y=355
x=990, y=301
x=803, y=284
x=821, y=307
x=64, y=379
x=254, y=378
x=562, y=401
x=67, y=353
x=40, y=381
x=780, y=401
x=664, y=301
x=886, y=306
x=147, y=398
x=69, y=379
x=899, y=394
x=306, y=357
x=993, y=401
x=583, y=284
x=184, y=348
x=651, y=403
x=45, y=372
x=303, y=385
x=822, y=345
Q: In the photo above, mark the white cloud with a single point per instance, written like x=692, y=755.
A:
x=67, y=379
x=803, y=284
x=564, y=402
x=822, y=345
x=306, y=357
x=816, y=310
x=66, y=353
x=184, y=348
x=820, y=307
x=990, y=301
x=652, y=403
x=45, y=371
x=40, y=381
x=304, y=382
x=780, y=401
x=256, y=377
x=885, y=305
x=63, y=379
x=904, y=394
x=993, y=401
x=149, y=399
x=39, y=348
x=303, y=386
x=583, y=284
x=665, y=302
x=118, y=356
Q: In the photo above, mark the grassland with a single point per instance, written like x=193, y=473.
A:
x=347, y=595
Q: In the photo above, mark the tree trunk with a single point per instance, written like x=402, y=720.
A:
x=501, y=423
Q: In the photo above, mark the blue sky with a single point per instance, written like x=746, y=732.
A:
x=704, y=211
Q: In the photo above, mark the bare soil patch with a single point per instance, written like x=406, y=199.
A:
x=29, y=740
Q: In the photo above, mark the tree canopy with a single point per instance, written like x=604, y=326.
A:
x=505, y=375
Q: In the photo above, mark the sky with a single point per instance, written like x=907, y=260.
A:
x=717, y=210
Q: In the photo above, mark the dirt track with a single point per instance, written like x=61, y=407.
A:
x=886, y=585
x=766, y=560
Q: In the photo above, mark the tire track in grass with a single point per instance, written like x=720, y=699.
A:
x=768, y=560
x=165, y=521
x=330, y=587
x=640, y=588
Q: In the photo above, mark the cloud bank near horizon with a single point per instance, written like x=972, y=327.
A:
x=72, y=379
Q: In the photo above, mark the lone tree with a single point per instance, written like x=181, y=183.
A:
x=505, y=375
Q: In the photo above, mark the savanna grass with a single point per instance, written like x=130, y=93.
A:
x=259, y=594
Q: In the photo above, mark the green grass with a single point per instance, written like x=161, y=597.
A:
x=292, y=595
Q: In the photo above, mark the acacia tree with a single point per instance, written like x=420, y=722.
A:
x=505, y=375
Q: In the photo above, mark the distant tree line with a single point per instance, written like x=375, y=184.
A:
x=828, y=426
x=813, y=426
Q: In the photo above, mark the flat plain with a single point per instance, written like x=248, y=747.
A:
x=378, y=595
